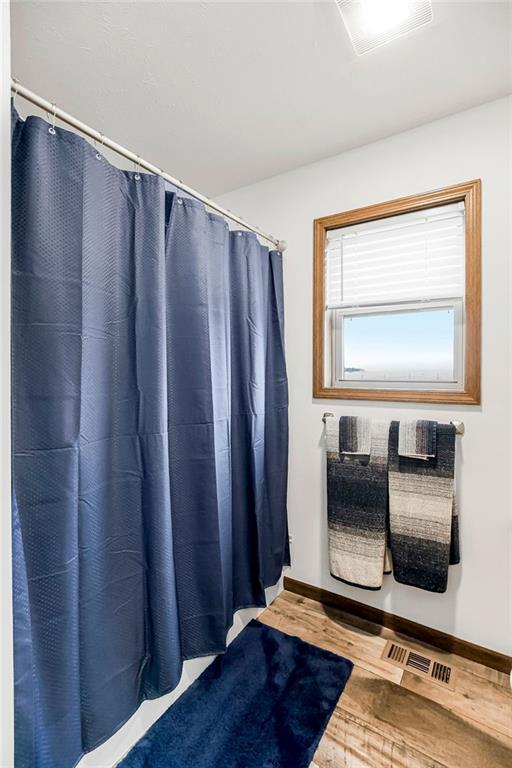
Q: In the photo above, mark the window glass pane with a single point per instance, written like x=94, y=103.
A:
x=400, y=346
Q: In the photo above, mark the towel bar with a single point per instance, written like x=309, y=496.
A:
x=459, y=425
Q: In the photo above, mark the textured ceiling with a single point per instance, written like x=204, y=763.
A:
x=225, y=94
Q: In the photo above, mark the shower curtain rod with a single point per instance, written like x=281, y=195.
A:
x=57, y=113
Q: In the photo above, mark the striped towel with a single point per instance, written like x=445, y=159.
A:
x=422, y=512
x=417, y=439
x=355, y=436
x=357, y=501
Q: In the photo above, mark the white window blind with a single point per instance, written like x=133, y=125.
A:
x=413, y=256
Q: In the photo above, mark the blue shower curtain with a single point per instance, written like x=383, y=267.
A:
x=150, y=438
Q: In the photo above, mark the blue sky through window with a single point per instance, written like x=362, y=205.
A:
x=400, y=346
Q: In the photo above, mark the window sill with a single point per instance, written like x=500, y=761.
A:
x=468, y=397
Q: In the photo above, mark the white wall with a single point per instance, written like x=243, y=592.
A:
x=468, y=145
x=6, y=696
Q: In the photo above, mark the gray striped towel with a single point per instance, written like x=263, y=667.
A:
x=357, y=501
x=422, y=512
x=417, y=439
x=355, y=435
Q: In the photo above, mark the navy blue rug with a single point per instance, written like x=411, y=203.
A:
x=264, y=704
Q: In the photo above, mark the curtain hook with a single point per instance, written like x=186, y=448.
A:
x=99, y=156
x=136, y=168
x=51, y=129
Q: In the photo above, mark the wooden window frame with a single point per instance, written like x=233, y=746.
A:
x=470, y=194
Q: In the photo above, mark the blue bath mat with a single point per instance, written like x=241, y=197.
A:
x=264, y=704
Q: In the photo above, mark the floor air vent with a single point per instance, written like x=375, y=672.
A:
x=418, y=663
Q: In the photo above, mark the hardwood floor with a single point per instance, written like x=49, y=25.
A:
x=391, y=718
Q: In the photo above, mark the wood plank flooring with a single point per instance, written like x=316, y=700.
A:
x=391, y=718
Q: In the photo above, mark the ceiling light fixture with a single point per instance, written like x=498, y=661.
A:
x=372, y=23
x=381, y=15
